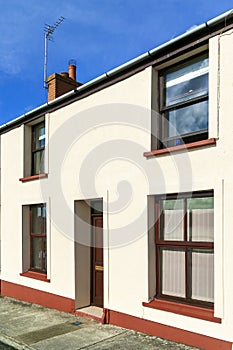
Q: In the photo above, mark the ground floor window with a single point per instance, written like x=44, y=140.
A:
x=38, y=237
x=34, y=238
x=184, y=234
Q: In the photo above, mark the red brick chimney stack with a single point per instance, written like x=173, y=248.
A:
x=59, y=84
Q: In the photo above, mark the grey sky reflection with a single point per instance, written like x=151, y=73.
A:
x=188, y=119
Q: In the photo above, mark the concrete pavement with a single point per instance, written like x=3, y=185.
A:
x=25, y=326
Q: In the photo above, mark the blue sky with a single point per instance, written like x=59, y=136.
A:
x=98, y=34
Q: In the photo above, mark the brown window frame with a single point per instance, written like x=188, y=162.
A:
x=185, y=245
x=40, y=235
x=35, y=149
x=164, y=110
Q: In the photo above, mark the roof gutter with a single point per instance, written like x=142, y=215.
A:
x=45, y=108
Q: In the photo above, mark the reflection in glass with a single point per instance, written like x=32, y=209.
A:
x=185, y=104
x=187, y=120
x=39, y=136
x=187, y=83
x=97, y=207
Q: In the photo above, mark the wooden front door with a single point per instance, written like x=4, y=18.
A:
x=97, y=261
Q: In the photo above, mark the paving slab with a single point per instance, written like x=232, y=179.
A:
x=25, y=326
x=83, y=338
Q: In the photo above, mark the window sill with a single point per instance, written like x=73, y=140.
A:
x=182, y=309
x=36, y=275
x=33, y=177
x=183, y=147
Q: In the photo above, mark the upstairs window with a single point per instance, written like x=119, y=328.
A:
x=184, y=102
x=38, y=147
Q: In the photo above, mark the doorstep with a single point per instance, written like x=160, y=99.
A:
x=92, y=312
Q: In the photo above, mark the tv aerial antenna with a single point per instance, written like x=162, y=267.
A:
x=49, y=30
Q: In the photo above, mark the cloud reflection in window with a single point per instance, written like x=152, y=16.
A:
x=189, y=119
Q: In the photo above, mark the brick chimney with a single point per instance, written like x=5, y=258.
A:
x=59, y=84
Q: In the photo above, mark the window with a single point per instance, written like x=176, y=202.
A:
x=38, y=146
x=185, y=248
x=38, y=238
x=184, y=103
x=35, y=157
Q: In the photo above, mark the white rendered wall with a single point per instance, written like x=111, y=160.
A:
x=96, y=151
x=210, y=168
x=62, y=179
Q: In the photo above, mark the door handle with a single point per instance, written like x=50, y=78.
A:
x=99, y=268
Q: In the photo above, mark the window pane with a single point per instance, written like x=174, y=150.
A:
x=186, y=120
x=97, y=207
x=36, y=219
x=171, y=220
x=44, y=254
x=173, y=272
x=203, y=275
x=38, y=162
x=38, y=261
x=43, y=228
x=38, y=224
x=201, y=219
x=186, y=83
x=39, y=136
x=42, y=137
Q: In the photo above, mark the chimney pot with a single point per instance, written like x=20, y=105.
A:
x=64, y=74
x=72, y=69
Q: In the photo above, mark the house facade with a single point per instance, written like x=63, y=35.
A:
x=118, y=194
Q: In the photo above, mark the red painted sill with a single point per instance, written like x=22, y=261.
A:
x=182, y=309
x=36, y=275
x=183, y=147
x=33, y=177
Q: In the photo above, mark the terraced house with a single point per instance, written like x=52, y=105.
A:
x=117, y=195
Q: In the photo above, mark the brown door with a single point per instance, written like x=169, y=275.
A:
x=97, y=261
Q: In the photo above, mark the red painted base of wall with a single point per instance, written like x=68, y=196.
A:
x=166, y=332
x=115, y=318
x=35, y=296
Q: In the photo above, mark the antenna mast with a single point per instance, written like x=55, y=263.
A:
x=49, y=30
